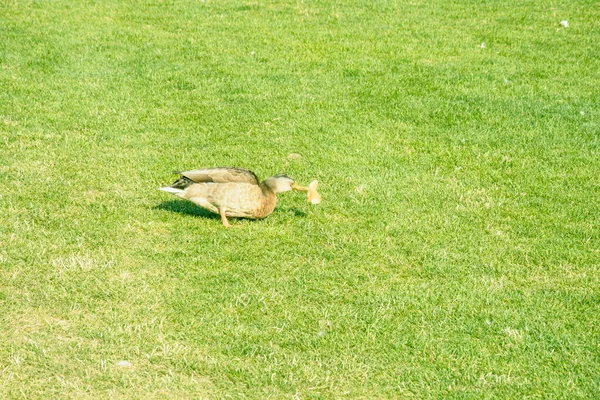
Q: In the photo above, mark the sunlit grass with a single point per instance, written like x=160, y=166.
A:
x=455, y=254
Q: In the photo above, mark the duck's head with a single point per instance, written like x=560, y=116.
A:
x=279, y=183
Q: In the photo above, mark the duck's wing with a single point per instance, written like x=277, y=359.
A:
x=222, y=175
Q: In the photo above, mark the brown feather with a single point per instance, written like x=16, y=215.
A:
x=222, y=175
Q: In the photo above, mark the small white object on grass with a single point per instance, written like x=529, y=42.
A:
x=124, y=364
x=564, y=23
x=482, y=45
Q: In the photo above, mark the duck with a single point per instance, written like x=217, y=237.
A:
x=235, y=192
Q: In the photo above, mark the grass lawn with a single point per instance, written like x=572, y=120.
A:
x=456, y=253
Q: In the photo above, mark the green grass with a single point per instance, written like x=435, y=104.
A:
x=456, y=251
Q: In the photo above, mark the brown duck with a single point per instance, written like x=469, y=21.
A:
x=235, y=192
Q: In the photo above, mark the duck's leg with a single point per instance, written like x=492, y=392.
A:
x=226, y=223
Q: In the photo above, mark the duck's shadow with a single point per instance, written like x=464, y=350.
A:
x=185, y=207
x=297, y=213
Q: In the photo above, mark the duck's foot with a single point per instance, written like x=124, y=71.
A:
x=226, y=223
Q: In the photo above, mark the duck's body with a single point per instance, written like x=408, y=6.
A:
x=244, y=200
x=230, y=192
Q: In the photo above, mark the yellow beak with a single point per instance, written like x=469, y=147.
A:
x=299, y=188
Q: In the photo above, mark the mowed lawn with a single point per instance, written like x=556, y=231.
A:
x=456, y=252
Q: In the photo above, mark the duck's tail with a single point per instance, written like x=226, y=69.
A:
x=178, y=186
x=169, y=189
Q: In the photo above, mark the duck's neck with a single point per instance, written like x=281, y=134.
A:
x=267, y=191
x=270, y=201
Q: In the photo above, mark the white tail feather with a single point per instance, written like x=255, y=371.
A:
x=169, y=189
